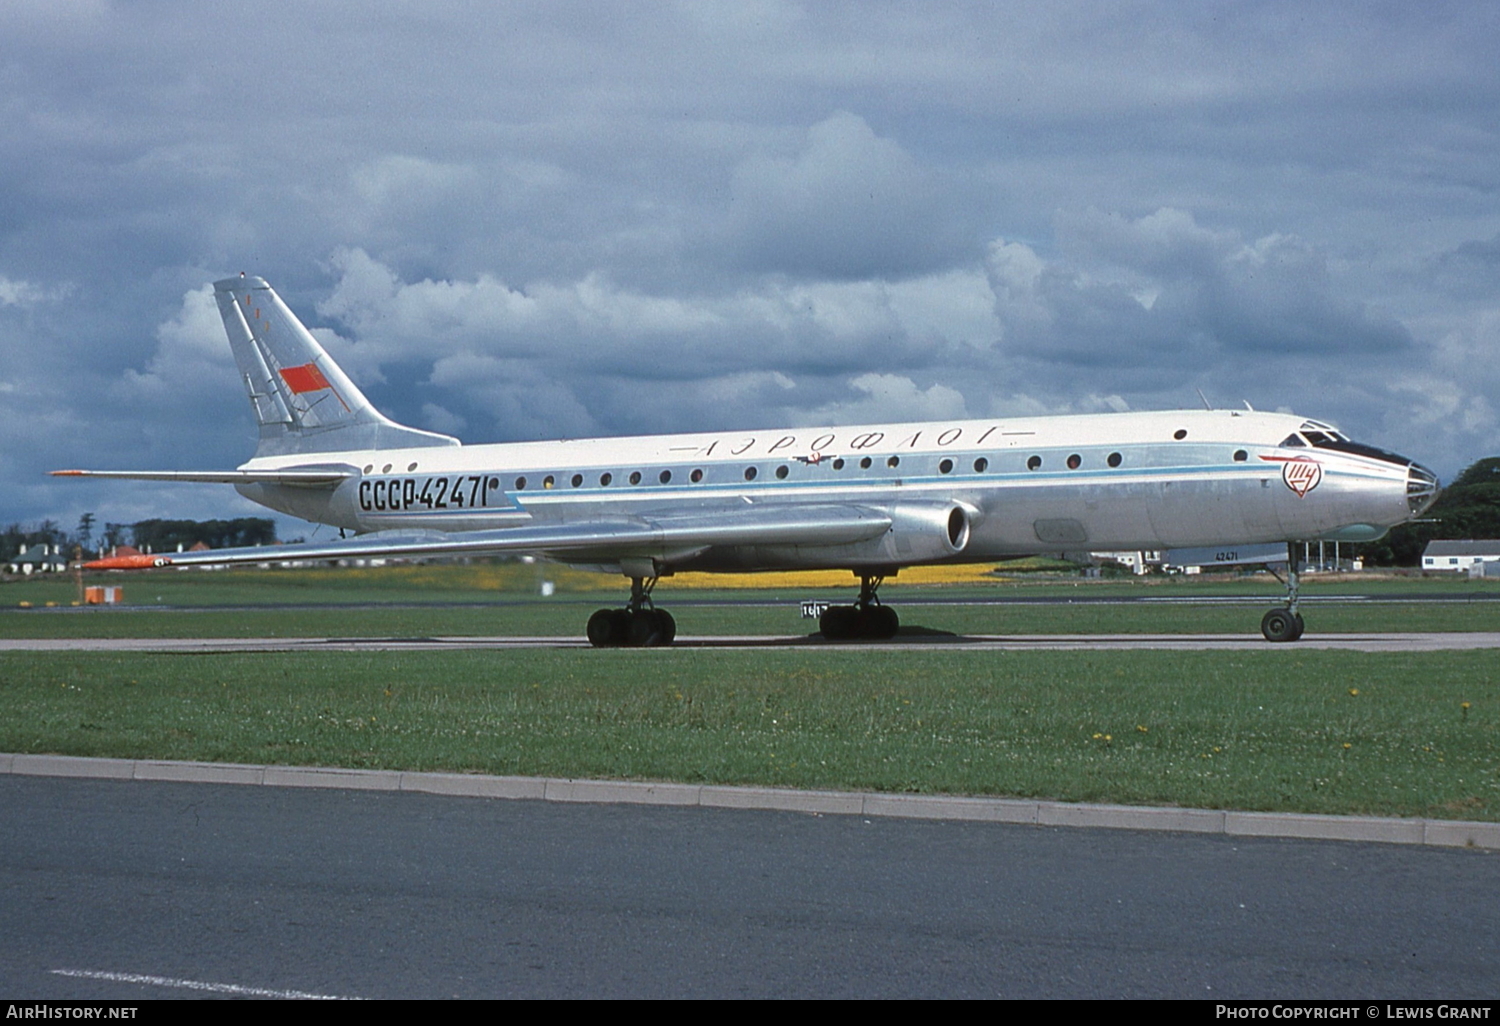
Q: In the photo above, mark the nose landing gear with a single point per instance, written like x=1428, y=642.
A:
x=639, y=625
x=1285, y=624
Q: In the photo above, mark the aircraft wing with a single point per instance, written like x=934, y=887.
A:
x=604, y=539
x=312, y=477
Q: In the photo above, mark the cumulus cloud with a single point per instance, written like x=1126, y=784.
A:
x=600, y=340
x=192, y=355
x=1160, y=304
x=521, y=402
x=188, y=399
x=891, y=397
x=18, y=293
x=848, y=204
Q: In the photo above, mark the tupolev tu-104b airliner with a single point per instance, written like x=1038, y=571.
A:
x=870, y=499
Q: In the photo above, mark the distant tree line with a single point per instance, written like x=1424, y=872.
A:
x=1467, y=508
x=159, y=535
x=167, y=535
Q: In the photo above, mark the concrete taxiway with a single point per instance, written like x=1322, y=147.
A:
x=1407, y=642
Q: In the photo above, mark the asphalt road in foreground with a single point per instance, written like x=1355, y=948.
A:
x=137, y=890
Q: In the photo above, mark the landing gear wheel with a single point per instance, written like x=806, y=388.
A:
x=642, y=632
x=881, y=622
x=1281, y=625
x=619, y=627
x=601, y=628
x=666, y=627
x=839, y=623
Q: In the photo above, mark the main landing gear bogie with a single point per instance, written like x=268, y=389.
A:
x=867, y=618
x=639, y=625
x=625, y=628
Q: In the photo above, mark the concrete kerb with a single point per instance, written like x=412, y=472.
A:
x=72, y=766
x=830, y=803
x=472, y=785
x=200, y=772
x=1336, y=828
x=1437, y=833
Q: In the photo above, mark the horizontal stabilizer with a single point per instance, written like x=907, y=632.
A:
x=312, y=477
x=623, y=536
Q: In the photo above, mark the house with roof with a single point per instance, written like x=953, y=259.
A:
x=39, y=558
x=1475, y=557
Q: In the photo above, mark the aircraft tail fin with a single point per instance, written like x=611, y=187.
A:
x=303, y=401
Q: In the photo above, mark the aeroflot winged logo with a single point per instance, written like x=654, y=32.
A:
x=1301, y=475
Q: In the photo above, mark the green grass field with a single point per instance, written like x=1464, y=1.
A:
x=1283, y=728
x=1311, y=731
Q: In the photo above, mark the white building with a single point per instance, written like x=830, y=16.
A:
x=1462, y=556
x=39, y=559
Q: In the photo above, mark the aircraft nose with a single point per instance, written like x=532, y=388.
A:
x=1421, y=488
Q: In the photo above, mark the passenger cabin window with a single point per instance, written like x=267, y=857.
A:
x=865, y=463
x=1180, y=434
x=750, y=473
x=1075, y=461
x=981, y=465
x=577, y=480
x=1034, y=463
x=605, y=479
x=781, y=472
x=1114, y=459
x=520, y=484
x=664, y=476
x=1240, y=455
x=635, y=477
x=945, y=467
x=696, y=476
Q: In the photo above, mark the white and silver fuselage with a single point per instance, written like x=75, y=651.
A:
x=957, y=491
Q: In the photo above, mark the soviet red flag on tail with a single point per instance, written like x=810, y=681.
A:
x=306, y=378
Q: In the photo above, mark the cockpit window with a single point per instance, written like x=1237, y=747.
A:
x=1342, y=444
x=1321, y=436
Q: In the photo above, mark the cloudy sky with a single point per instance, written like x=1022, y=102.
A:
x=519, y=221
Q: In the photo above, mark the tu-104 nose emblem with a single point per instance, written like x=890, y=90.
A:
x=1301, y=475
